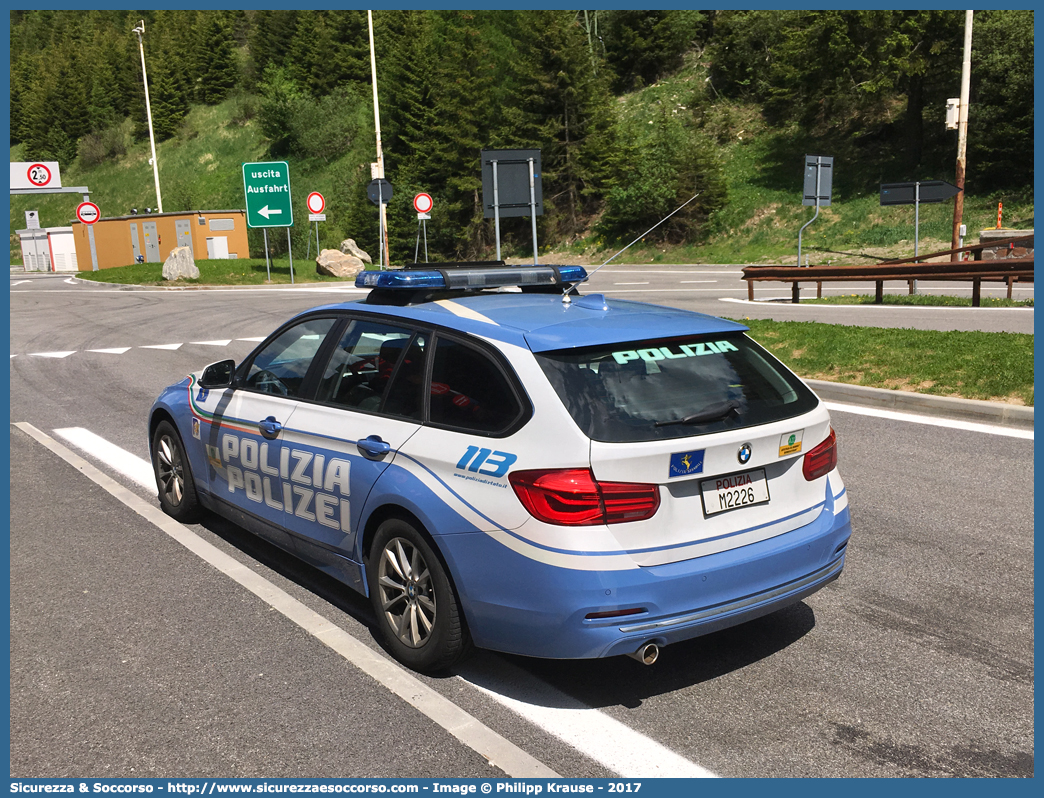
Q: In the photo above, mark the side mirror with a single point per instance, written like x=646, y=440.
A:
x=218, y=375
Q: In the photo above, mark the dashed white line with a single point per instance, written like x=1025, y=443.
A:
x=118, y=350
x=171, y=347
x=226, y=342
x=53, y=354
x=257, y=340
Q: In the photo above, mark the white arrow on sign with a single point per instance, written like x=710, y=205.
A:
x=266, y=212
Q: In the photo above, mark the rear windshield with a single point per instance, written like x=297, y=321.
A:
x=673, y=388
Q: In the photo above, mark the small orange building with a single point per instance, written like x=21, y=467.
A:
x=123, y=240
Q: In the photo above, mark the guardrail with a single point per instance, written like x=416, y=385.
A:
x=1004, y=269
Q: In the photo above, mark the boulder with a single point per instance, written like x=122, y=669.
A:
x=333, y=263
x=179, y=264
x=349, y=247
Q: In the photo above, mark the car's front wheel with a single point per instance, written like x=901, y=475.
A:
x=416, y=606
x=177, y=493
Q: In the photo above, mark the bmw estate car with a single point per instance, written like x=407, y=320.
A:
x=497, y=461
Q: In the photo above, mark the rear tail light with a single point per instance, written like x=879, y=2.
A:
x=821, y=460
x=572, y=497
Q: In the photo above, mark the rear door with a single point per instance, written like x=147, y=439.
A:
x=717, y=422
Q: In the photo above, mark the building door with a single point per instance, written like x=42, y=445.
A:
x=152, y=252
x=135, y=246
x=183, y=228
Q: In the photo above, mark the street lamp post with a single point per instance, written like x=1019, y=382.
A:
x=148, y=110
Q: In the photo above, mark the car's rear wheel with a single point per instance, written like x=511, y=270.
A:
x=177, y=492
x=416, y=606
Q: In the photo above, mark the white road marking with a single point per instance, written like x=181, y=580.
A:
x=619, y=748
x=895, y=415
x=171, y=347
x=70, y=280
x=226, y=342
x=19, y=282
x=499, y=751
x=119, y=350
x=52, y=354
x=258, y=340
x=130, y=465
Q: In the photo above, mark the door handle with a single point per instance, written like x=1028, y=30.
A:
x=373, y=448
x=270, y=428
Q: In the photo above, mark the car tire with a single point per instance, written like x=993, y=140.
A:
x=174, y=483
x=416, y=606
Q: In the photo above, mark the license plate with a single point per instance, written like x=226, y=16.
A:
x=736, y=490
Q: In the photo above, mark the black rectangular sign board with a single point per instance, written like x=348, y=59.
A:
x=908, y=193
x=512, y=182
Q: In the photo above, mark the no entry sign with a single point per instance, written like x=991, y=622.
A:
x=88, y=212
x=422, y=203
x=316, y=202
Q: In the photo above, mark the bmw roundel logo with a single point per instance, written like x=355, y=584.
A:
x=744, y=454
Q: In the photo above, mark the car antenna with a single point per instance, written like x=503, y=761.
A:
x=565, y=294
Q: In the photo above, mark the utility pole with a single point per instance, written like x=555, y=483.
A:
x=962, y=135
x=148, y=110
x=382, y=208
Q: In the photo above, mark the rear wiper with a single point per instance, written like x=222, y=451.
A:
x=713, y=413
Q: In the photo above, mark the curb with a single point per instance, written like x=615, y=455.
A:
x=907, y=402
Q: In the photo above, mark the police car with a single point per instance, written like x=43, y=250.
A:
x=498, y=461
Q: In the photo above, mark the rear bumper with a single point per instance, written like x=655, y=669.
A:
x=521, y=606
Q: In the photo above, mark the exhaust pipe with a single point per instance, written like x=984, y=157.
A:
x=647, y=654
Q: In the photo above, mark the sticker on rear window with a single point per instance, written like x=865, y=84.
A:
x=697, y=349
x=683, y=463
x=790, y=443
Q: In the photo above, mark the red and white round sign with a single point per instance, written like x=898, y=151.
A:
x=422, y=202
x=316, y=202
x=88, y=212
x=38, y=174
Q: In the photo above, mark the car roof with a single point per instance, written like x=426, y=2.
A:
x=543, y=322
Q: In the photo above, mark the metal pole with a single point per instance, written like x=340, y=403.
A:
x=416, y=248
x=380, y=225
x=317, y=239
x=377, y=127
x=917, y=229
x=268, y=265
x=425, y=240
x=532, y=209
x=308, y=252
x=290, y=254
x=496, y=207
x=962, y=133
x=148, y=110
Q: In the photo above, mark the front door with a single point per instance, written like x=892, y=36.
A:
x=368, y=404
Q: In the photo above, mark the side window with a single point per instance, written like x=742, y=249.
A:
x=469, y=391
x=362, y=365
x=280, y=367
x=406, y=394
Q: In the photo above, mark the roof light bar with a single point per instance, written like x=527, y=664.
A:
x=464, y=278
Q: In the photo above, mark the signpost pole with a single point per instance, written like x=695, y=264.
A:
x=268, y=265
x=496, y=207
x=425, y=223
x=416, y=248
x=917, y=229
x=532, y=209
x=90, y=239
x=290, y=254
x=316, y=239
x=308, y=252
x=380, y=223
x=795, y=294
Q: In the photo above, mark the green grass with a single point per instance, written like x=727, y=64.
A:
x=245, y=271
x=972, y=365
x=919, y=299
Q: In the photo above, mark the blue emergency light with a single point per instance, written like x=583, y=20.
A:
x=472, y=278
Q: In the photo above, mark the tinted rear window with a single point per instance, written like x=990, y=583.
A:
x=618, y=393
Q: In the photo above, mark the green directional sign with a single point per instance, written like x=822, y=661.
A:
x=267, y=189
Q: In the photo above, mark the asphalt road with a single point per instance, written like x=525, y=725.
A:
x=130, y=656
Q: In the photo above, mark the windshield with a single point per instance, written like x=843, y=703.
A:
x=673, y=388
